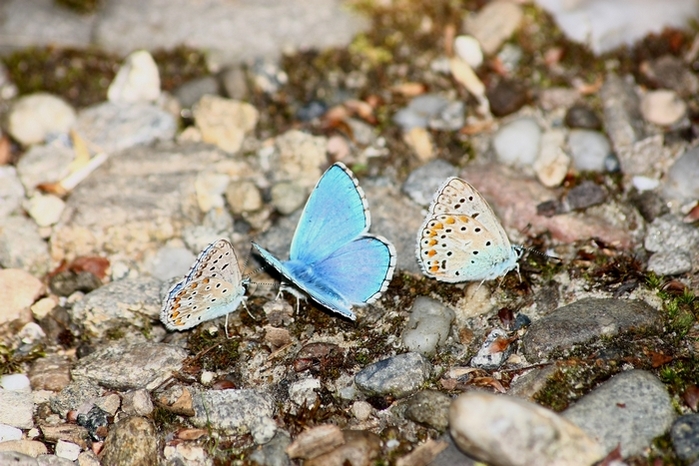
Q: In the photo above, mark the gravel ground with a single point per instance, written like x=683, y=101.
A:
x=118, y=170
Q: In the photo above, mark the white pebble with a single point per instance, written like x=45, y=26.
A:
x=589, y=149
x=518, y=142
x=643, y=183
x=138, y=80
x=15, y=382
x=361, y=410
x=9, y=433
x=551, y=166
x=67, y=450
x=45, y=209
x=663, y=107
x=469, y=49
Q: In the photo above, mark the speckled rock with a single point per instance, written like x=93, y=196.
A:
x=617, y=412
x=509, y=431
x=585, y=320
x=398, y=376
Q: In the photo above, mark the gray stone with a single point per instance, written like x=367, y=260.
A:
x=43, y=23
x=235, y=412
x=429, y=407
x=11, y=191
x=35, y=117
x=21, y=246
x=171, y=262
x=420, y=111
x=510, y=431
x=685, y=437
x=618, y=412
x=518, y=142
x=74, y=396
x=428, y=327
x=17, y=408
x=676, y=242
x=589, y=149
x=53, y=460
x=287, y=196
x=137, y=402
x=586, y=320
x=131, y=441
x=190, y=92
x=385, y=202
x=682, y=181
x=399, y=376
x=129, y=366
x=114, y=127
x=273, y=453
x=230, y=32
x=47, y=163
x=670, y=263
x=17, y=459
x=622, y=117
x=128, y=302
x=452, y=455
x=127, y=205
x=423, y=182
x=235, y=83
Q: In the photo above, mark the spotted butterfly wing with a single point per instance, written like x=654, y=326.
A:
x=462, y=239
x=213, y=287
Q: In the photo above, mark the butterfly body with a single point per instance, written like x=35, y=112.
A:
x=462, y=239
x=213, y=287
x=332, y=257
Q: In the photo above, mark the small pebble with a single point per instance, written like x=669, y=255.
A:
x=210, y=187
x=420, y=141
x=469, y=50
x=304, y=392
x=494, y=351
x=224, y=122
x=551, y=165
x=287, y=197
x=494, y=24
x=588, y=149
x=685, y=437
x=419, y=111
x=243, y=196
x=361, y=410
x=137, y=403
x=428, y=326
x=424, y=181
x=663, y=107
x=189, y=93
x=33, y=118
x=582, y=117
x=67, y=450
x=45, y=209
x=315, y=442
x=518, y=142
x=666, y=263
x=138, y=80
x=429, y=407
x=506, y=97
x=682, y=179
x=398, y=376
x=9, y=433
x=31, y=448
x=11, y=191
x=15, y=382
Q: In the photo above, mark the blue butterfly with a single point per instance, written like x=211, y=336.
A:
x=333, y=259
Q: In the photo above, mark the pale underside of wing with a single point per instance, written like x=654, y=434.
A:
x=457, y=248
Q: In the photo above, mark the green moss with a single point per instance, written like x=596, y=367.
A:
x=212, y=352
x=12, y=362
x=81, y=77
x=80, y=6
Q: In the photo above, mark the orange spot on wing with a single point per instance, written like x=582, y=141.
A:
x=431, y=252
x=450, y=220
